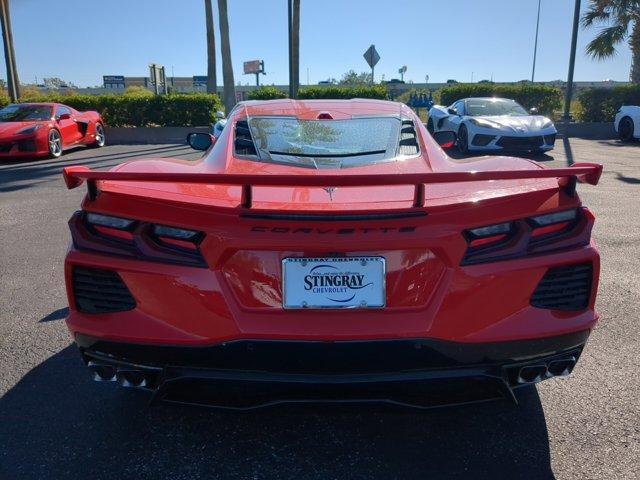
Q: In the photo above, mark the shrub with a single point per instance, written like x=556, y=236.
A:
x=601, y=104
x=266, y=92
x=138, y=109
x=545, y=99
x=338, y=92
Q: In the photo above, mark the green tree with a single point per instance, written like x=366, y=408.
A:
x=353, y=78
x=620, y=21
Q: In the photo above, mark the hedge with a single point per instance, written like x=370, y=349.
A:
x=601, y=104
x=266, y=93
x=142, y=110
x=545, y=99
x=338, y=92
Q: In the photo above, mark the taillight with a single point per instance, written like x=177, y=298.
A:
x=533, y=235
x=133, y=238
x=492, y=234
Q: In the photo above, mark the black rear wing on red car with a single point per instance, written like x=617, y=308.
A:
x=567, y=178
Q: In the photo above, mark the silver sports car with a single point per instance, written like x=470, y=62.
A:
x=493, y=124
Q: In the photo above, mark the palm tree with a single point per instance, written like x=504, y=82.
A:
x=212, y=82
x=295, y=40
x=621, y=20
x=227, y=67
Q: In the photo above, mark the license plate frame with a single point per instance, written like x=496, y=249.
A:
x=364, y=279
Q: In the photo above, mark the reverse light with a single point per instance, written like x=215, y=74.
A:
x=30, y=129
x=107, y=221
x=551, y=218
x=173, y=232
x=491, y=230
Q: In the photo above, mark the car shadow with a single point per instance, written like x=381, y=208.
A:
x=59, y=424
x=25, y=174
x=455, y=154
x=629, y=180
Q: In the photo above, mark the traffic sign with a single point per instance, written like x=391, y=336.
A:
x=371, y=56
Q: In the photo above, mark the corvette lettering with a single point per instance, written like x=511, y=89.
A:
x=339, y=231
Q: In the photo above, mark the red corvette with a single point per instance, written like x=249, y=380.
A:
x=46, y=129
x=330, y=251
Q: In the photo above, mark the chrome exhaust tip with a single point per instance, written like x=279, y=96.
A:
x=561, y=368
x=101, y=372
x=532, y=374
x=131, y=378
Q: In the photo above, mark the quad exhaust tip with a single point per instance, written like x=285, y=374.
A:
x=101, y=372
x=555, y=368
x=532, y=374
x=561, y=368
x=131, y=378
x=108, y=373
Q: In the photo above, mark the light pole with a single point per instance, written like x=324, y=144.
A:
x=535, y=45
x=572, y=62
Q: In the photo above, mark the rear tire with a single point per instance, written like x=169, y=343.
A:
x=463, y=140
x=100, y=137
x=55, y=143
x=625, y=129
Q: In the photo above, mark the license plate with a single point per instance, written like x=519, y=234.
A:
x=335, y=282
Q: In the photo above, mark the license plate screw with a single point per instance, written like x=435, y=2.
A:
x=363, y=262
x=304, y=263
x=304, y=304
x=363, y=303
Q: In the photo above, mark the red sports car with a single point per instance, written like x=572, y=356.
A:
x=46, y=129
x=330, y=251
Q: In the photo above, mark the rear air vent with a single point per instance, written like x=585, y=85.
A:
x=100, y=291
x=564, y=288
x=243, y=141
x=408, y=139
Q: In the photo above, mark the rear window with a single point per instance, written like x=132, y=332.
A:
x=325, y=143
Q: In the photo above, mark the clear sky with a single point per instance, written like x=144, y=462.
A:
x=80, y=40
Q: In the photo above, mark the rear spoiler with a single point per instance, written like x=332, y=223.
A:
x=567, y=178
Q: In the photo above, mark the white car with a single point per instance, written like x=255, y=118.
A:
x=493, y=124
x=627, y=123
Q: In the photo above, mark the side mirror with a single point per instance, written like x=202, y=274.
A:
x=452, y=111
x=200, y=141
x=533, y=111
x=64, y=116
x=445, y=139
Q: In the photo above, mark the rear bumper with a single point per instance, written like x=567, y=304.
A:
x=245, y=374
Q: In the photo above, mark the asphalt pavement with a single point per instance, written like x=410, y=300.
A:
x=56, y=423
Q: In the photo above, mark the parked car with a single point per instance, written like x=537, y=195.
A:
x=482, y=124
x=217, y=128
x=47, y=129
x=627, y=123
x=330, y=250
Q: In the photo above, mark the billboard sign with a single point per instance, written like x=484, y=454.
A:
x=253, y=66
x=113, y=80
x=199, y=80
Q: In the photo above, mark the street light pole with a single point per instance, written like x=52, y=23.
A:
x=572, y=62
x=13, y=84
x=535, y=45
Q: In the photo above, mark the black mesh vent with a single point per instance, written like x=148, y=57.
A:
x=519, y=142
x=550, y=139
x=564, y=288
x=408, y=139
x=244, y=142
x=100, y=291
